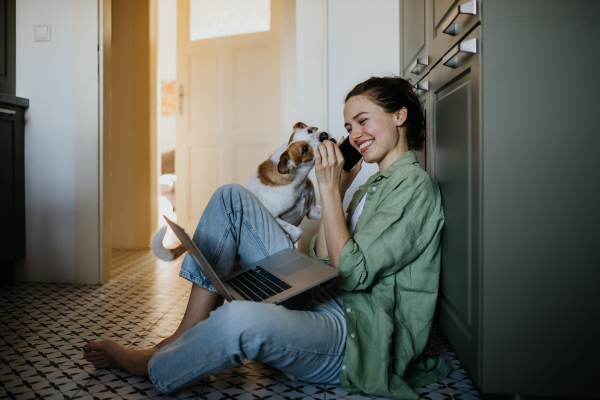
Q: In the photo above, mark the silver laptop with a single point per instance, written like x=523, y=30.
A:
x=271, y=280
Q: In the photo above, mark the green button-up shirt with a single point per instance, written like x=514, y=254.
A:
x=389, y=270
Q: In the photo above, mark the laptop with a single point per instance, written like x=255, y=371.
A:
x=271, y=280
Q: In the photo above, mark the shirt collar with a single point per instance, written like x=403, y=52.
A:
x=405, y=159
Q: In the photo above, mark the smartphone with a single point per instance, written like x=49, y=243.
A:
x=351, y=155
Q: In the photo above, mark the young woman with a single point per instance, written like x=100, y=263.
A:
x=369, y=331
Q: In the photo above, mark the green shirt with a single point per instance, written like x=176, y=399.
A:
x=389, y=270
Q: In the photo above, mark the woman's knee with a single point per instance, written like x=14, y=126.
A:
x=246, y=321
x=229, y=190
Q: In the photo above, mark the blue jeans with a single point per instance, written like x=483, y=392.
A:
x=305, y=343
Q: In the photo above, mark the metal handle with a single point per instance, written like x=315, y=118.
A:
x=416, y=67
x=424, y=86
x=5, y=111
x=468, y=46
x=468, y=8
x=181, y=99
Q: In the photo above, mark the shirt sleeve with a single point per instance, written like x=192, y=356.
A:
x=313, y=253
x=403, y=224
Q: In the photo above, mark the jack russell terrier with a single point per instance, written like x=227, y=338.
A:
x=281, y=184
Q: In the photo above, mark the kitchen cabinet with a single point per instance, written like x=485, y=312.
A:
x=7, y=46
x=512, y=141
x=12, y=182
x=12, y=149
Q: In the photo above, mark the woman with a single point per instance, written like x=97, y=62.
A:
x=368, y=332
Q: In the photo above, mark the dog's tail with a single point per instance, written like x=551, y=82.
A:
x=160, y=251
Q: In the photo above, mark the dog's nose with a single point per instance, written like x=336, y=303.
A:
x=323, y=136
x=333, y=140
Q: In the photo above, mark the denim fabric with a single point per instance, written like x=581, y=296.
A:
x=305, y=343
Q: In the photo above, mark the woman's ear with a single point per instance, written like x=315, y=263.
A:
x=401, y=116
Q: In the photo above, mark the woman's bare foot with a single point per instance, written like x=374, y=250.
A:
x=108, y=353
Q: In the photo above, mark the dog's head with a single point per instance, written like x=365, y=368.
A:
x=301, y=147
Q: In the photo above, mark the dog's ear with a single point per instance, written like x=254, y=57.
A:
x=300, y=125
x=283, y=167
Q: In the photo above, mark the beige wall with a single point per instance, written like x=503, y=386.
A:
x=133, y=128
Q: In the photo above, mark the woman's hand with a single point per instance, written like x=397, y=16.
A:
x=328, y=166
x=348, y=177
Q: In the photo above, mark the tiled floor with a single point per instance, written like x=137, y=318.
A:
x=44, y=326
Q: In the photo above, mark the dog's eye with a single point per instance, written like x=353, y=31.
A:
x=305, y=150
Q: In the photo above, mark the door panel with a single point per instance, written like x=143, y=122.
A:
x=415, y=38
x=230, y=111
x=440, y=9
x=413, y=12
x=206, y=79
x=455, y=106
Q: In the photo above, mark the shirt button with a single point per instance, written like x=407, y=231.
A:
x=352, y=335
x=344, y=367
x=348, y=309
x=374, y=189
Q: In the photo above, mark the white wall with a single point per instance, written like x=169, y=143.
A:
x=363, y=41
x=46, y=76
x=340, y=43
x=167, y=66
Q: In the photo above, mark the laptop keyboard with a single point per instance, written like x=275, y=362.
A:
x=257, y=284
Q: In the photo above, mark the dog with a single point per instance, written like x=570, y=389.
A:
x=280, y=183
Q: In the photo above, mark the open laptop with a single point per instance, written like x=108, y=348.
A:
x=271, y=280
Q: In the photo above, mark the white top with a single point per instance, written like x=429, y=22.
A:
x=357, y=212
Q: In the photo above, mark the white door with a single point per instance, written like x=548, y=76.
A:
x=229, y=118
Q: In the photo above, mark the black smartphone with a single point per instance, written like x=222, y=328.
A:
x=351, y=155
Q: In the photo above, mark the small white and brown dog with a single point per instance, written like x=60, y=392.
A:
x=281, y=184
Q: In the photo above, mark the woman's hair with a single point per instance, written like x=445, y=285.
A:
x=392, y=93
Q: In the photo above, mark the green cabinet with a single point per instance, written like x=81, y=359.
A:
x=513, y=143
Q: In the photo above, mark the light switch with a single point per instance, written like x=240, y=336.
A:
x=41, y=32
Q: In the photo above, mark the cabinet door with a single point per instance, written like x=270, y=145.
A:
x=451, y=21
x=425, y=156
x=415, y=38
x=7, y=46
x=454, y=104
x=12, y=182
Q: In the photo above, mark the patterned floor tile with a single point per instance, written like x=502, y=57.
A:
x=44, y=326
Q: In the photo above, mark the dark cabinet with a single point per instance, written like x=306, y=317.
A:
x=12, y=148
x=455, y=105
x=12, y=183
x=513, y=144
x=7, y=46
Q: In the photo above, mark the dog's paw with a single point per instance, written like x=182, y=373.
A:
x=315, y=212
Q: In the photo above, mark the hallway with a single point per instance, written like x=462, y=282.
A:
x=44, y=326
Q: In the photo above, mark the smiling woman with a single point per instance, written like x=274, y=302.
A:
x=388, y=248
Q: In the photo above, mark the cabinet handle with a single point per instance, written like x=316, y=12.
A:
x=5, y=111
x=416, y=67
x=468, y=46
x=468, y=8
x=424, y=86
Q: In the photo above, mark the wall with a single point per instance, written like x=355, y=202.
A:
x=133, y=128
x=167, y=67
x=340, y=43
x=362, y=42
x=57, y=77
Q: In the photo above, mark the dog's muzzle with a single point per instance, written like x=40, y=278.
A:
x=325, y=136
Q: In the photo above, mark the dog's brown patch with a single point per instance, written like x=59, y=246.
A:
x=269, y=175
x=300, y=125
x=295, y=153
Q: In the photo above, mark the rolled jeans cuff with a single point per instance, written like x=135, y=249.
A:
x=198, y=279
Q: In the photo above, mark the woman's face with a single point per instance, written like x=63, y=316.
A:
x=374, y=132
